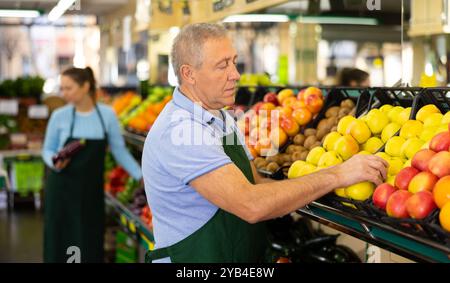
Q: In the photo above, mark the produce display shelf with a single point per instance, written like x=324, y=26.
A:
x=378, y=234
x=132, y=222
x=134, y=139
x=371, y=231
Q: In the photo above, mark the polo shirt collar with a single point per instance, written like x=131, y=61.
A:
x=199, y=112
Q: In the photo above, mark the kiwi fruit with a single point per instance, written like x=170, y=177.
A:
x=322, y=124
x=344, y=111
x=310, y=141
x=310, y=132
x=290, y=149
x=287, y=164
x=332, y=112
x=286, y=158
x=333, y=121
x=304, y=155
x=353, y=112
x=321, y=133
x=258, y=161
x=297, y=156
x=348, y=103
x=299, y=139
x=317, y=144
x=272, y=167
x=334, y=129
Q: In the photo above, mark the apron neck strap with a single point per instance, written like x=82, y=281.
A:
x=99, y=115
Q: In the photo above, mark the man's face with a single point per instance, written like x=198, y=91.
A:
x=216, y=78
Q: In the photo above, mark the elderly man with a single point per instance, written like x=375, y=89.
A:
x=207, y=199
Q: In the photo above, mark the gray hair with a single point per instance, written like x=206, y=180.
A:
x=187, y=46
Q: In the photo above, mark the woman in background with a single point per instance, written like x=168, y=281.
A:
x=74, y=197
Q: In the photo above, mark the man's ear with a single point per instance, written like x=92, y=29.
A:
x=187, y=74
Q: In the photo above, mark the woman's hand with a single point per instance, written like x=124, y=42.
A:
x=62, y=164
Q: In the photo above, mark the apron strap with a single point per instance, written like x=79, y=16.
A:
x=72, y=123
x=105, y=134
x=156, y=254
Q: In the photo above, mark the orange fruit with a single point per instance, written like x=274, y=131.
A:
x=312, y=91
x=278, y=137
x=283, y=94
x=444, y=217
x=314, y=103
x=441, y=192
x=302, y=116
x=289, y=101
x=298, y=104
x=285, y=111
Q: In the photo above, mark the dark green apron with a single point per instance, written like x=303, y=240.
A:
x=74, y=204
x=225, y=238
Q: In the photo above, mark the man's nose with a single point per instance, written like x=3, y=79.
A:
x=234, y=75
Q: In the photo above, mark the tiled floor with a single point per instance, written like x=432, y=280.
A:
x=21, y=235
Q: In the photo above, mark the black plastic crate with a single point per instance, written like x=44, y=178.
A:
x=437, y=96
x=428, y=227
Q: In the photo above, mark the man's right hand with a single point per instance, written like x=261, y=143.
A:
x=362, y=168
x=61, y=164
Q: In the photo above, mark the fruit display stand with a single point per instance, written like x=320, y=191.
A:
x=131, y=222
x=371, y=228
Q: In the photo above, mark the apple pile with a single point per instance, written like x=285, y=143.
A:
x=422, y=187
x=414, y=135
x=277, y=119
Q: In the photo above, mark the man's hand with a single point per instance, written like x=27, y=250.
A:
x=62, y=164
x=362, y=168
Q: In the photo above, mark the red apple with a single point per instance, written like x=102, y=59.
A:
x=424, y=181
x=314, y=103
x=257, y=106
x=422, y=158
x=439, y=165
x=420, y=205
x=312, y=91
x=289, y=125
x=300, y=95
x=396, y=205
x=382, y=194
x=405, y=176
x=441, y=142
x=272, y=98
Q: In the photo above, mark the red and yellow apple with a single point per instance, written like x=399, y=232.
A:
x=420, y=205
x=439, y=165
x=272, y=98
x=424, y=181
x=382, y=194
x=289, y=125
x=422, y=158
x=441, y=142
x=396, y=205
x=405, y=176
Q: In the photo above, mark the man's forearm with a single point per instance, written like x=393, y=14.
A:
x=273, y=200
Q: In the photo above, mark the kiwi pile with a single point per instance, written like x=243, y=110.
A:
x=311, y=138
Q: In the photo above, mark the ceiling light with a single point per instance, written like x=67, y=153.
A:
x=19, y=13
x=338, y=21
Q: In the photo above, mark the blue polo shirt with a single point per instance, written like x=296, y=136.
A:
x=184, y=143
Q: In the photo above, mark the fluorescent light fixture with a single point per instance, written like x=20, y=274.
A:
x=60, y=9
x=337, y=20
x=19, y=13
x=259, y=18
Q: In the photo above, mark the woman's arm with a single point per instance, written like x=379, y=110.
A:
x=118, y=149
x=51, y=142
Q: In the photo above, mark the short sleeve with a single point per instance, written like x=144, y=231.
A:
x=189, y=150
x=244, y=145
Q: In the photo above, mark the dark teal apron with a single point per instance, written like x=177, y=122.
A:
x=225, y=238
x=74, y=203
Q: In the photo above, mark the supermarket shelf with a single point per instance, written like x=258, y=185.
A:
x=378, y=234
x=132, y=222
x=373, y=232
x=20, y=152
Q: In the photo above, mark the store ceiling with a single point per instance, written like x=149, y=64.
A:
x=91, y=7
